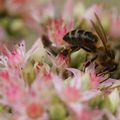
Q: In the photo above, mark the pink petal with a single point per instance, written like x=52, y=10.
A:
x=77, y=77
x=94, y=80
x=72, y=94
x=87, y=95
x=96, y=8
x=37, y=45
x=115, y=33
x=68, y=10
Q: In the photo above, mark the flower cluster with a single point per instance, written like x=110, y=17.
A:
x=33, y=89
x=46, y=82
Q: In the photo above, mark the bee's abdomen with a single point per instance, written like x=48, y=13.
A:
x=74, y=37
x=90, y=37
x=78, y=37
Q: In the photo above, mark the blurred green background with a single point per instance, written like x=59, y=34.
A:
x=108, y=3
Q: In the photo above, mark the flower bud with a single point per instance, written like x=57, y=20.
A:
x=29, y=74
x=57, y=112
x=114, y=99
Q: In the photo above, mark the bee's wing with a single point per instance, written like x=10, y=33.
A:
x=100, y=31
x=101, y=27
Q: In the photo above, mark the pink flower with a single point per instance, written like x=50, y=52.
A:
x=13, y=89
x=16, y=6
x=47, y=75
x=86, y=115
x=38, y=12
x=57, y=29
x=4, y=75
x=14, y=93
x=67, y=12
x=38, y=66
x=48, y=83
x=90, y=12
x=34, y=110
x=62, y=60
x=94, y=80
x=115, y=25
x=71, y=93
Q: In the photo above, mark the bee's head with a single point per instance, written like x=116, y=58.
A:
x=66, y=37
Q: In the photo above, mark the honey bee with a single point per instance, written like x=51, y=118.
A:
x=103, y=56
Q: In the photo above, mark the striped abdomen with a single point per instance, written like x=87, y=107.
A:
x=79, y=37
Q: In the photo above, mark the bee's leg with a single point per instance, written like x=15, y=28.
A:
x=70, y=50
x=74, y=48
x=66, y=52
x=109, y=75
x=86, y=49
x=89, y=62
x=107, y=70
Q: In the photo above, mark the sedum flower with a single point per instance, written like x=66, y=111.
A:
x=67, y=12
x=57, y=29
x=14, y=91
x=30, y=92
x=34, y=110
x=72, y=92
x=114, y=24
x=96, y=8
x=38, y=85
